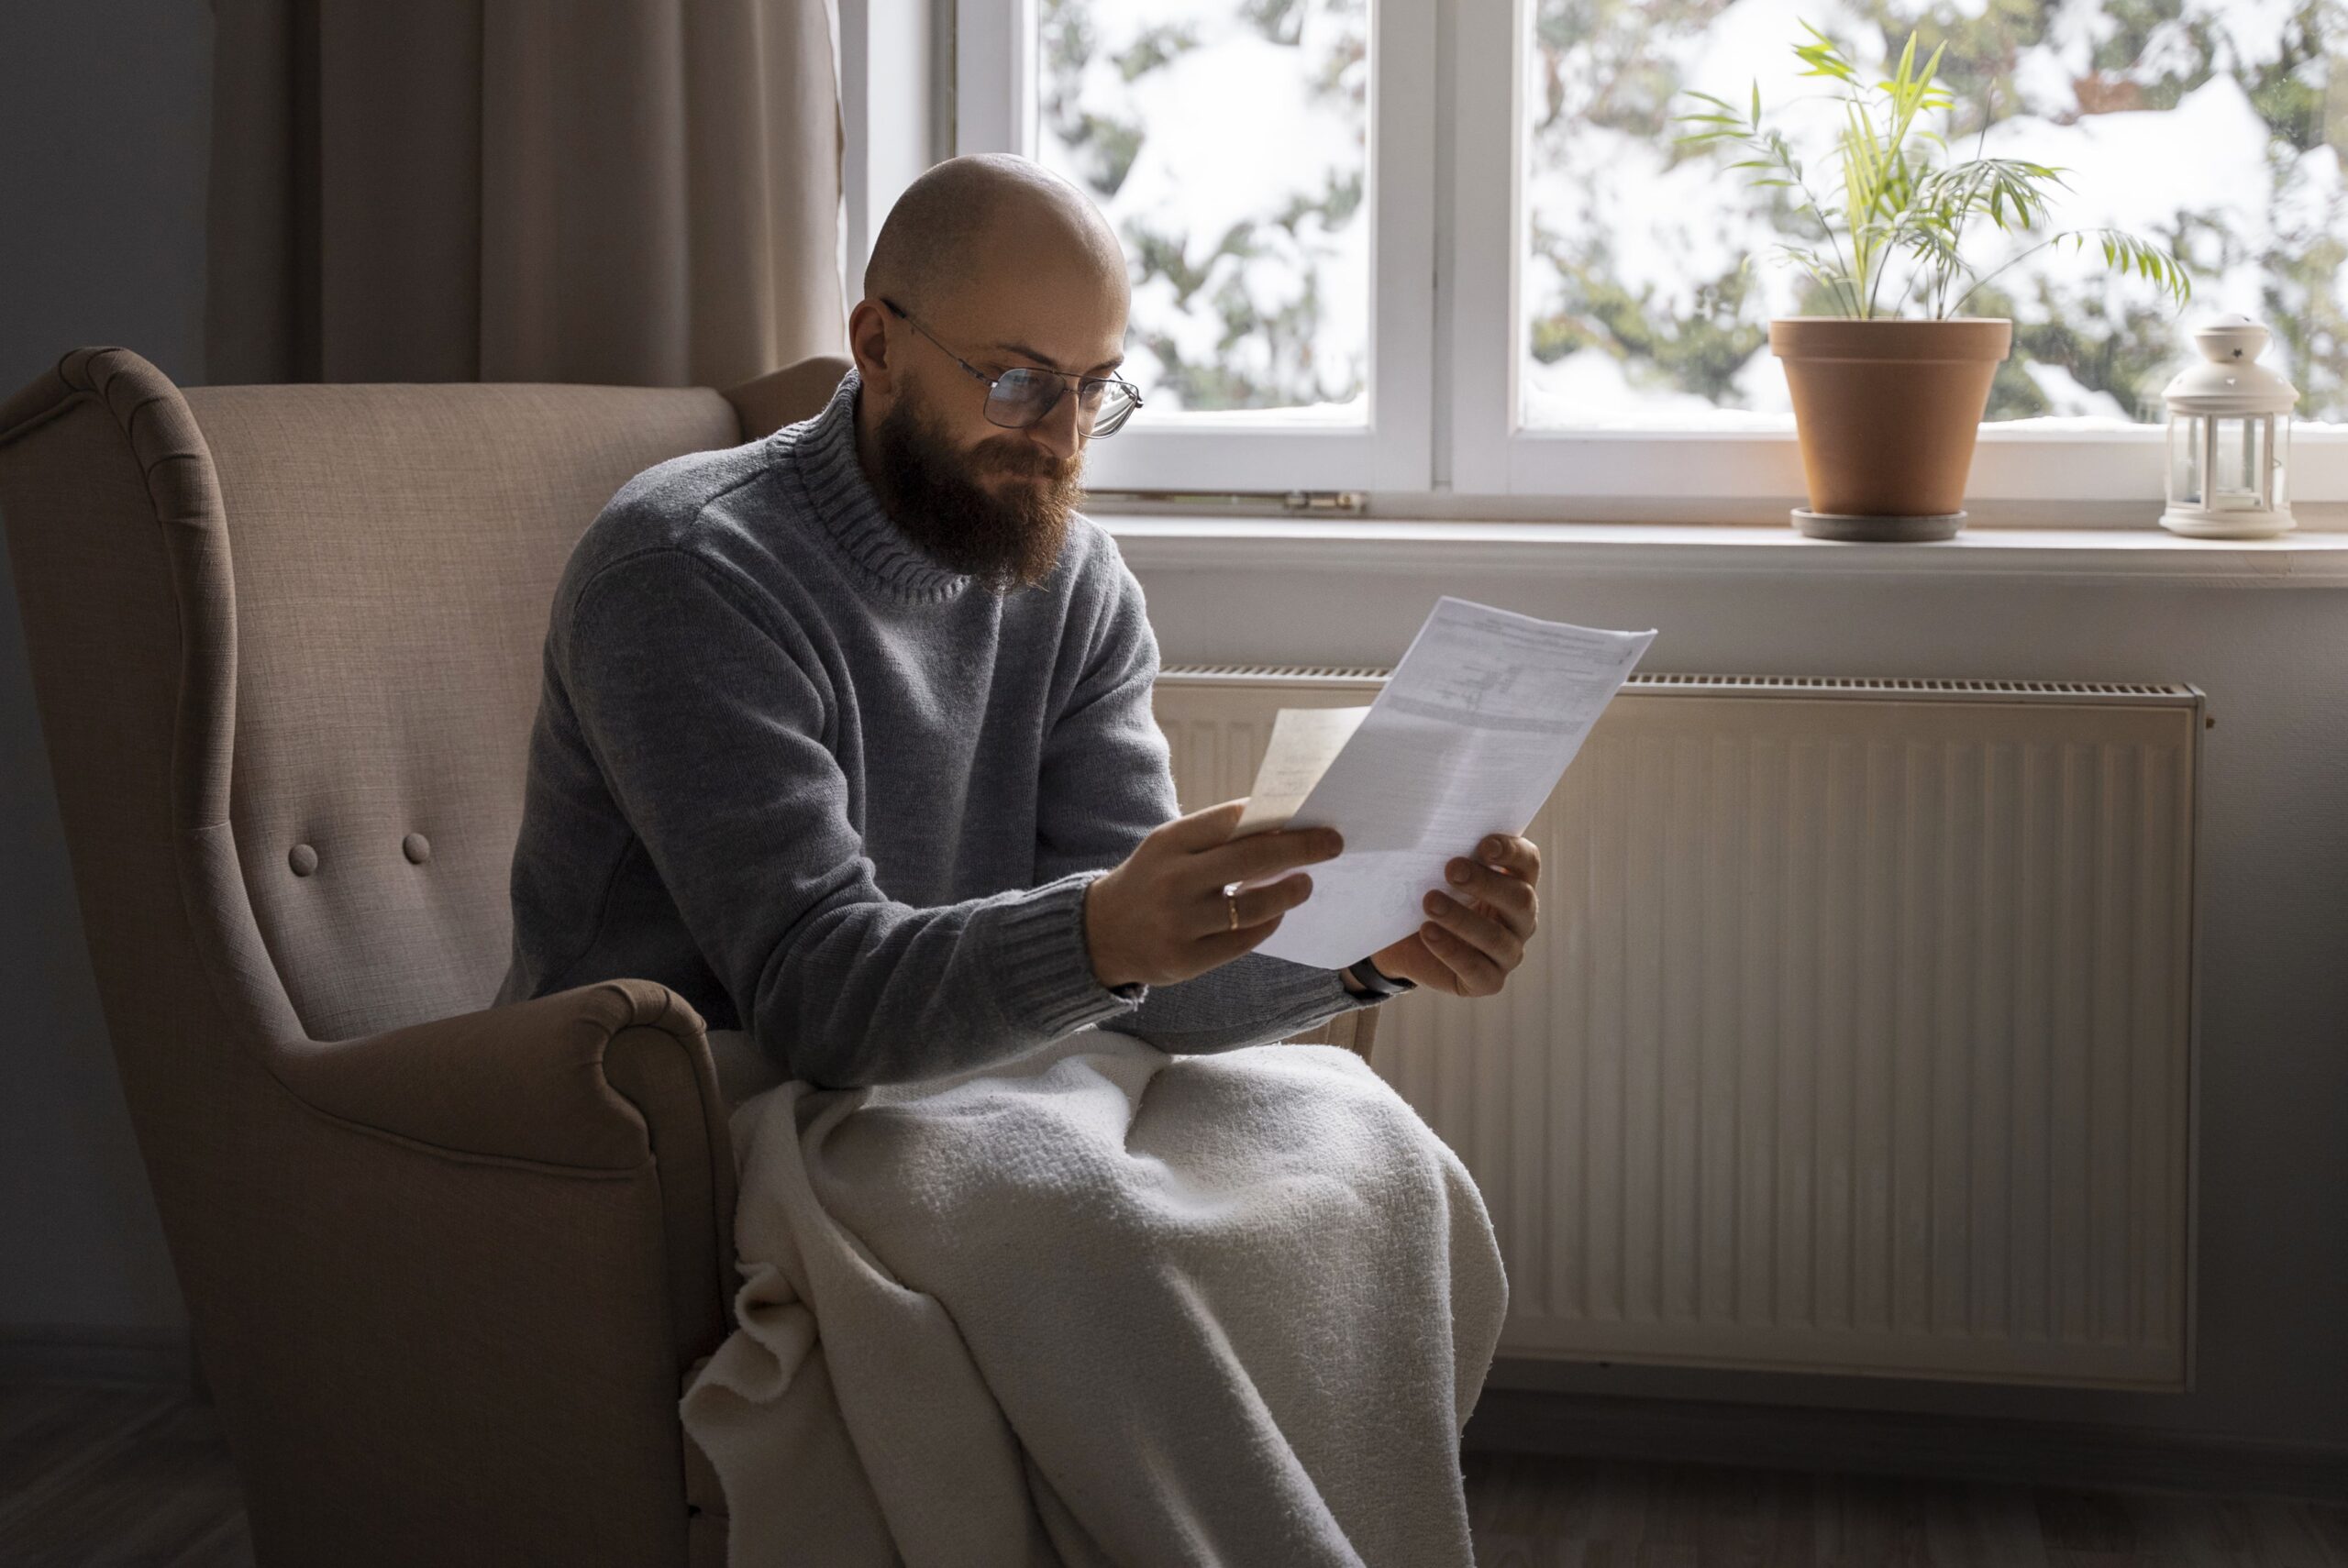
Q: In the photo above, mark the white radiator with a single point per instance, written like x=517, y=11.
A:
x=1857, y=1036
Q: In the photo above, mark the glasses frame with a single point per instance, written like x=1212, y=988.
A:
x=1091, y=433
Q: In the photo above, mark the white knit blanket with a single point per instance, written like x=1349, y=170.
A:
x=1101, y=1305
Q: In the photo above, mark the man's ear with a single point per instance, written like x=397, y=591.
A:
x=868, y=340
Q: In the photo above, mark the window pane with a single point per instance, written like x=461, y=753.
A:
x=1226, y=141
x=2212, y=128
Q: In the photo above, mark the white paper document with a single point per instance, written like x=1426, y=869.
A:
x=1304, y=740
x=1470, y=734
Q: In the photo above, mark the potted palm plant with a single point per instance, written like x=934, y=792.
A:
x=1889, y=388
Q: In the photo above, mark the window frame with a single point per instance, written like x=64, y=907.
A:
x=994, y=111
x=889, y=137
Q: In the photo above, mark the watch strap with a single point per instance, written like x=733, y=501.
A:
x=1375, y=981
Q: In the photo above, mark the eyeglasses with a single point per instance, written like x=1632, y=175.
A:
x=1022, y=396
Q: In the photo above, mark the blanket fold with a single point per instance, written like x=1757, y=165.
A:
x=1101, y=1305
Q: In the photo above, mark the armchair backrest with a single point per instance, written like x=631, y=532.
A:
x=394, y=552
x=343, y=630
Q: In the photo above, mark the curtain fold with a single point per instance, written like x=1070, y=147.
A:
x=640, y=192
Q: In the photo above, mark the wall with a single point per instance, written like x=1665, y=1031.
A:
x=104, y=107
x=2273, y=1361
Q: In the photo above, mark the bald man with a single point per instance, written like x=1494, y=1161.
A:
x=845, y=734
x=846, y=737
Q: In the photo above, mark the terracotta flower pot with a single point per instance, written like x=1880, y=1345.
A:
x=1886, y=411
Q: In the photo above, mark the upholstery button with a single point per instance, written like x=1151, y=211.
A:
x=416, y=847
x=304, y=860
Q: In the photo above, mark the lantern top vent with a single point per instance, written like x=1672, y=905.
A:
x=2230, y=380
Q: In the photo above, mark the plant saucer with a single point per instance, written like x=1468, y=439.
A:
x=1896, y=530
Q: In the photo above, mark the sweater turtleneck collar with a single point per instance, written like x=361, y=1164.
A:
x=844, y=499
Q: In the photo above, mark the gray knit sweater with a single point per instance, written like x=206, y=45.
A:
x=841, y=797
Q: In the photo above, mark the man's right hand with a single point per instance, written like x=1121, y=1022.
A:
x=1161, y=916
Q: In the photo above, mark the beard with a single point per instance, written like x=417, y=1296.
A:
x=930, y=489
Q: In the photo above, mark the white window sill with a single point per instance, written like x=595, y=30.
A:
x=2305, y=558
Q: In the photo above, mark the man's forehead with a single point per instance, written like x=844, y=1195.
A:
x=1024, y=349
x=1078, y=326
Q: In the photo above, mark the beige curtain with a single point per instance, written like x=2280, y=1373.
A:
x=637, y=192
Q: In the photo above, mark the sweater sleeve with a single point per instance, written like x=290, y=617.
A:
x=710, y=730
x=1107, y=780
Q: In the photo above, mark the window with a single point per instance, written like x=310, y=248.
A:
x=1269, y=164
x=2203, y=129
x=1248, y=230
x=1603, y=305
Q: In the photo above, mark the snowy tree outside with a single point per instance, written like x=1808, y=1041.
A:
x=2211, y=128
x=1226, y=141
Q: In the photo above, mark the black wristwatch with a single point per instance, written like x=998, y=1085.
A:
x=1377, y=982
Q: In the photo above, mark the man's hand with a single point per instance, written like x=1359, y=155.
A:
x=1161, y=916
x=1480, y=924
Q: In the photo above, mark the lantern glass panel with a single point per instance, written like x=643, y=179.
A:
x=2282, y=462
x=2185, y=460
x=2238, y=463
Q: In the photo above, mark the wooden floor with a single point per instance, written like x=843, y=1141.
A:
x=1550, y=1513
x=118, y=1476
x=131, y=1476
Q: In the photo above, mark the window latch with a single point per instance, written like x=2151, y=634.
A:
x=1313, y=502
x=1345, y=500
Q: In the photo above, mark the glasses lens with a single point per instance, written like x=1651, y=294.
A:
x=1022, y=397
x=1110, y=408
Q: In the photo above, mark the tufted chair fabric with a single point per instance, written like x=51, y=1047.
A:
x=447, y=1265
x=395, y=549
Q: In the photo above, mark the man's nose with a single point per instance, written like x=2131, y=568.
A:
x=1056, y=432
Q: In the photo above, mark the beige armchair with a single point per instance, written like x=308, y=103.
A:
x=447, y=1267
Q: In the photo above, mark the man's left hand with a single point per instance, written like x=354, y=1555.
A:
x=1478, y=922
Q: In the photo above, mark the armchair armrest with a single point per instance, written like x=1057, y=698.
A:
x=459, y=1272
x=546, y=1081
x=1353, y=1030
x=613, y=1077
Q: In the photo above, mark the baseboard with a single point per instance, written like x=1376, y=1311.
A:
x=1778, y=1437
x=148, y=1357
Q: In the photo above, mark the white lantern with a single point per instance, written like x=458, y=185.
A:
x=2228, y=435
